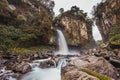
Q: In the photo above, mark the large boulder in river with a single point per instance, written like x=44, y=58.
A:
x=78, y=75
x=75, y=68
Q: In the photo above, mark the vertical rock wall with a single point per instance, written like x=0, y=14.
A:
x=107, y=17
x=76, y=27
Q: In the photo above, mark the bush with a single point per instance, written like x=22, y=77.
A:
x=115, y=30
x=14, y=37
x=115, y=36
x=115, y=39
x=8, y=37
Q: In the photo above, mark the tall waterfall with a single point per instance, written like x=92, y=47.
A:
x=62, y=42
x=63, y=48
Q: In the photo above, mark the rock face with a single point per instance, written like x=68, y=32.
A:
x=25, y=22
x=106, y=15
x=76, y=27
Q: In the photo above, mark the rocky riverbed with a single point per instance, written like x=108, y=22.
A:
x=79, y=67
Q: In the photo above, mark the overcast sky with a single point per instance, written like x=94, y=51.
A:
x=85, y=5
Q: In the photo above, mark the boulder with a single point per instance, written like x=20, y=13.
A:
x=22, y=67
x=78, y=75
x=97, y=64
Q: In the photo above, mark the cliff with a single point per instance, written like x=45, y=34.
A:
x=106, y=15
x=76, y=26
x=25, y=23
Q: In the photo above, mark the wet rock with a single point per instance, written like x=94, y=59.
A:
x=47, y=53
x=4, y=73
x=119, y=54
x=115, y=62
x=36, y=55
x=2, y=62
x=7, y=55
x=47, y=64
x=22, y=67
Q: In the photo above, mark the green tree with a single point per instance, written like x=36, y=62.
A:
x=61, y=10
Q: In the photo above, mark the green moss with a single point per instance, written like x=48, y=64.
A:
x=20, y=50
x=115, y=39
x=115, y=35
x=30, y=49
x=68, y=76
x=115, y=30
x=101, y=77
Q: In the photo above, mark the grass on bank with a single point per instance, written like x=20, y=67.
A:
x=28, y=50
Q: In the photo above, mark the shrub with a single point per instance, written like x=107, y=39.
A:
x=8, y=37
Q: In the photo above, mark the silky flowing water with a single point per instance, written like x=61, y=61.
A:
x=45, y=74
x=63, y=48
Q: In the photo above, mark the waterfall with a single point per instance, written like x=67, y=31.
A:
x=62, y=42
x=63, y=48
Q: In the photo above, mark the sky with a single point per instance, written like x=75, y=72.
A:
x=85, y=5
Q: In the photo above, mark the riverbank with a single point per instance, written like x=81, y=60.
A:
x=97, y=59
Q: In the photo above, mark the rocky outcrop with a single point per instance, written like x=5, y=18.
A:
x=25, y=23
x=106, y=15
x=76, y=26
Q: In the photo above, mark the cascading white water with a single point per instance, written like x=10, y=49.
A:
x=7, y=73
x=45, y=74
x=63, y=48
x=62, y=42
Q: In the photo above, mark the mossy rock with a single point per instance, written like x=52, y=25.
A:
x=78, y=75
x=93, y=73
